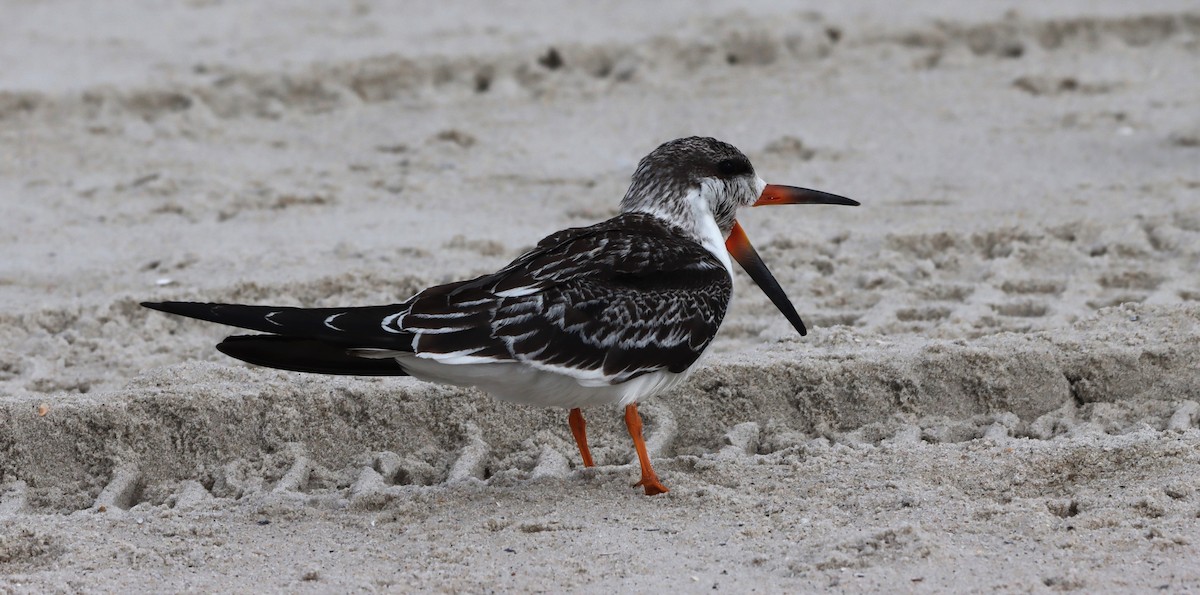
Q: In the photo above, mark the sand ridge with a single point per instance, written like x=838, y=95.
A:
x=999, y=391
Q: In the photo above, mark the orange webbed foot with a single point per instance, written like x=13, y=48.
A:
x=652, y=486
x=649, y=480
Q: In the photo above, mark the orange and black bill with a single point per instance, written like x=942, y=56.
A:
x=742, y=251
x=775, y=194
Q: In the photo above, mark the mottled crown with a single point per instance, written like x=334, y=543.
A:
x=665, y=177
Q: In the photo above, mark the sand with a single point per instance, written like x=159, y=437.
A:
x=1000, y=390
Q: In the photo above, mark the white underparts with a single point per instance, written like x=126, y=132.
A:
x=519, y=382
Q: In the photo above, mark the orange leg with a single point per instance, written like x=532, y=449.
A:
x=575, y=419
x=649, y=480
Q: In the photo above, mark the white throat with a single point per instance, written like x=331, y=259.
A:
x=707, y=231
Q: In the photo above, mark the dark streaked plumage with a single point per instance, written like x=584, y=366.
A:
x=607, y=314
x=624, y=297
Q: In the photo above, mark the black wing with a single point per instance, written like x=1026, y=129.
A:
x=608, y=302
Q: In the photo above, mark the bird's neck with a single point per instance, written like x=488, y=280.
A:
x=692, y=213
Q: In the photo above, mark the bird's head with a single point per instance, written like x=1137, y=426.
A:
x=695, y=182
x=690, y=176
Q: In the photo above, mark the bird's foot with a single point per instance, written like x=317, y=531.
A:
x=652, y=486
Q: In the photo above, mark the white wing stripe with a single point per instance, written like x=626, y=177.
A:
x=474, y=302
x=329, y=321
x=445, y=316
x=392, y=321
x=518, y=291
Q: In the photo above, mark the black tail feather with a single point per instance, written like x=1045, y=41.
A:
x=360, y=327
x=305, y=355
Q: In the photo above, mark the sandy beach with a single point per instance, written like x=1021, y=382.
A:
x=999, y=391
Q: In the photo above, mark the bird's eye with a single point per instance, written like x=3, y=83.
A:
x=727, y=168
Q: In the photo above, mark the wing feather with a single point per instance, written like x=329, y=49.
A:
x=605, y=303
x=620, y=299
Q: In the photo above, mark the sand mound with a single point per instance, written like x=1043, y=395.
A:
x=1000, y=390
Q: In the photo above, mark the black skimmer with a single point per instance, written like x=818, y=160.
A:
x=609, y=314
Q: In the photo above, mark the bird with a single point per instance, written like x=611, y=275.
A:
x=609, y=314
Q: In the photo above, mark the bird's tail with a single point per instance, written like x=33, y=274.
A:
x=305, y=355
x=369, y=326
x=321, y=340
